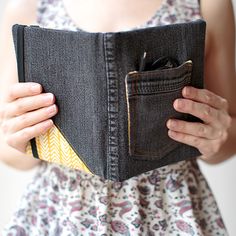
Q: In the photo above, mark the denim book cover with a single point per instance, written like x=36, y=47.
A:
x=114, y=92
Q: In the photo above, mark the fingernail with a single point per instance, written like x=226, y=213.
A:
x=172, y=123
x=48, y=123
x=179, y=103
x=168, y=123
x=171, y=133
x=51, y=109
x=35, y=87
x=186, y=91
x=48, y=97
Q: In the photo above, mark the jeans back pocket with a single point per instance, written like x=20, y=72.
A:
x=149, y=97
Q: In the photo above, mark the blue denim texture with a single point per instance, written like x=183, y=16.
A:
x=89, y=73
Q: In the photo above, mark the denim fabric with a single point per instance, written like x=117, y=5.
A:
x=114, y=119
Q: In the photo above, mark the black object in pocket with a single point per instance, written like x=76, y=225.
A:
x=150, y=96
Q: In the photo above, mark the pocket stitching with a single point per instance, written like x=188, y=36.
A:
x=159, y=87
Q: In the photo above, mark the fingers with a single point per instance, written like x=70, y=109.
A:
x=208, y=136
x=19, y=139
x=205, y=96
x=186, y=138
x=25, y=113
x=205, y=146
x=19, y=90
x=28, y=119
x=203, y=111
x=30, y=103
x=194, y=128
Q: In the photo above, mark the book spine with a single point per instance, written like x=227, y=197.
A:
x=21, y=73
x=20, y=53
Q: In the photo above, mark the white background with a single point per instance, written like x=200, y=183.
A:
x=221, y=178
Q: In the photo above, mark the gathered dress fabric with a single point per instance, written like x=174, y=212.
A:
x=171, y=200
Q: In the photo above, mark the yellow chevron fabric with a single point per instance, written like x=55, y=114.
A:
x=53, y=147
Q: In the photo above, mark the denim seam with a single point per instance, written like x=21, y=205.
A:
x=112, y=90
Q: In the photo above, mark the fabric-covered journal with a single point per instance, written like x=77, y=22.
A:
x=114, y=92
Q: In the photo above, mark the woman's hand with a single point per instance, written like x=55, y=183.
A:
x=25, y=113
x=208, y=136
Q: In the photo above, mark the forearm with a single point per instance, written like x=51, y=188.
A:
x=227, y=150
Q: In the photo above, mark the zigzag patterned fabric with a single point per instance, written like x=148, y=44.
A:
x=53, y=147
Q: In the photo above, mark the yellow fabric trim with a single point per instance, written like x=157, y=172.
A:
x=128, y=109
x=53, y=147
x=29, y=149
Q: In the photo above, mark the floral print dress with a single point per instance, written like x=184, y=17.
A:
x=171, y=200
